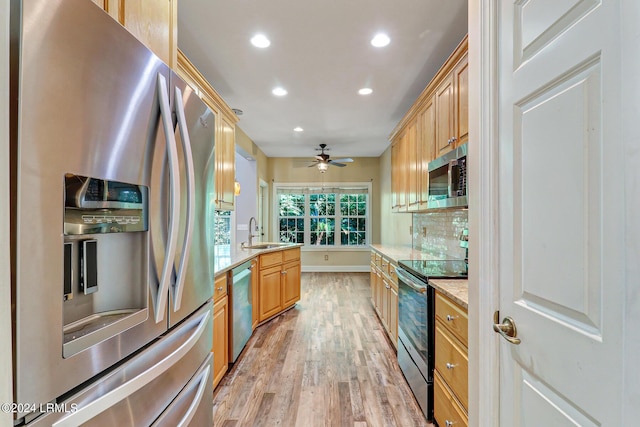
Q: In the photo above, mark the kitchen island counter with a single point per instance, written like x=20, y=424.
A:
x=227, y=257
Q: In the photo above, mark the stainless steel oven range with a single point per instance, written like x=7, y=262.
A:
x=416, y=323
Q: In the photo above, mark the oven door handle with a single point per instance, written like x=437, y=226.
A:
x=408, y=279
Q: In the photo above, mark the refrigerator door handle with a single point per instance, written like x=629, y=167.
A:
x=191, y=196
x=110, y=398
x=201, y=383
x=162, y=293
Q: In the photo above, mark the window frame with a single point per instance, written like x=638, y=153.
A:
x=308, y=189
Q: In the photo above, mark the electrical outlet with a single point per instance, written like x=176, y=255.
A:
x=424, y=231
x=326, y=257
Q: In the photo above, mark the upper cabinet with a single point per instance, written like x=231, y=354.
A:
x=437, y=123
x=461, y=82
x=153, y=22
x=225, y=123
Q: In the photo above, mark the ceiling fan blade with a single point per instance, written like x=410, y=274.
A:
x=313, y=164
x=319, y=157
x=334, y=163
x=344, y=160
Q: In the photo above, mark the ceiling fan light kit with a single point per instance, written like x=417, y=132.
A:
x=323, y=160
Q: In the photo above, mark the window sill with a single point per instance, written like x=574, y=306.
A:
x=364, y=248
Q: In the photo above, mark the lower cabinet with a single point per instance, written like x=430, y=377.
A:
x=279, y=282
x=384, y=294
x=291, y=283
x=220, y=330
x=255, y=294
x=270, y=292
x=451, y=384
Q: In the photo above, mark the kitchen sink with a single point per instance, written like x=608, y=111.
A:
x=267, y=245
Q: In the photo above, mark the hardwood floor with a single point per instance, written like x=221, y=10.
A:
x=325, y=362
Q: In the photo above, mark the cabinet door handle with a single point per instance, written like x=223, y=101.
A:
x=448, y=423
x=220, y=289
x=450, y=365
x=284, y=272
x=451, y=318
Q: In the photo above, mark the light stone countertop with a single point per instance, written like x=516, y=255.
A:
x=456, y=289
x=397, y=252
x=227, y=257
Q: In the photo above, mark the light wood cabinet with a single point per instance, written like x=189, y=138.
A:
x=451, y=394
x=153, y=22
x=279, y=282
x=225, y=133
x=461, y=84
x=398, y=175
x=220, y=329
x=255, y=294
x=270, y=292
x=425, y=149
x=445, y=113
x=226, y=165
x=384, y=294
x=291, y=283
x=436, y=123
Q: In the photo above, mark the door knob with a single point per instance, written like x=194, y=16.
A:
x=507, y=329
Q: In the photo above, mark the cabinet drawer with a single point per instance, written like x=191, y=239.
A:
x=452, y=363
x=290, y=254
x=384, y=266
x=453, y=317
x=446, y=410
x=270, y=259
x=220, y=287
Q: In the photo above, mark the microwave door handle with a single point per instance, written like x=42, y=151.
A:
x=90, y=410
x=191, y=195
x=162, y=293
x=450, y=177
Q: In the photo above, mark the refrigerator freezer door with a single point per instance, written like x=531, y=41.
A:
x=142, y=389
x=199, y=128
x=84, y=102
x=192, y=407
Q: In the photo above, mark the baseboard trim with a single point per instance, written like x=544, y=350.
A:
x=336, y=269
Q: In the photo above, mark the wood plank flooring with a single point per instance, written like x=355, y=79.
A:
x=325, y=362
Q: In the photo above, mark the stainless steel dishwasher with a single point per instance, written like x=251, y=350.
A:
x=240, y=315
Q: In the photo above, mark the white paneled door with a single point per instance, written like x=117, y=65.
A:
x=561, y=212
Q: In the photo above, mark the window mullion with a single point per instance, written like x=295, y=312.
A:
x=307, y=220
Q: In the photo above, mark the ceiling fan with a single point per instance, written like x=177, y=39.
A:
x=322, y=160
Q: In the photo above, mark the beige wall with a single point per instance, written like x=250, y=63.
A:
x=363, y=169
x=243, y=141
x=394, y=227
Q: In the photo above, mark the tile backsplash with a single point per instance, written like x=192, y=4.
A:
x=437, y=234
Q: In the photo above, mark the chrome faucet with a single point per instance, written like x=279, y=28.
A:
x=251, y=235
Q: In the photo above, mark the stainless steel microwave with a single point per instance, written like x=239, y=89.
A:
x=448, y=180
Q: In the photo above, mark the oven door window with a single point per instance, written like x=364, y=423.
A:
x=412, y=312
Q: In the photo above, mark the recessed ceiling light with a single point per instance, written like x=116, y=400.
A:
x=380, y=40
x=260, y=40
x=279, y=91
x=298, y=129
x=365, y=91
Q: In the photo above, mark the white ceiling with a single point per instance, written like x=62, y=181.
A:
x=321, y=53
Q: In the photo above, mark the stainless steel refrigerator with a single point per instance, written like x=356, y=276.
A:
x=111, y=181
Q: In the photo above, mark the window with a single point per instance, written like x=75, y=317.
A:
x=291, y=217
x=323, y=216
x=222, y=228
